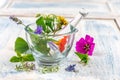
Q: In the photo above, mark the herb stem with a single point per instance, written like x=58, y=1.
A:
x=23, y=24
x=46, y=38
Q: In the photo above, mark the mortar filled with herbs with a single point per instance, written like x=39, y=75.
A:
x=50, y=39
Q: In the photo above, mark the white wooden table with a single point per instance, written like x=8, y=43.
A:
x=103, y=23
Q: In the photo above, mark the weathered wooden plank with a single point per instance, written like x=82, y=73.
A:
x=55, y=7
x=2, y=3
x=7, y=29
x=91, y=6
x=116, y=5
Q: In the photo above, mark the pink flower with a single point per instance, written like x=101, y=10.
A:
x=85, y=46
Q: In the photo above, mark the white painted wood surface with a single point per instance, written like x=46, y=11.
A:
x=103, y=24
x=103, y=65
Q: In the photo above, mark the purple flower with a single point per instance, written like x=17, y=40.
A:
x=85, y=46
x=70, y=68
x=38, y=30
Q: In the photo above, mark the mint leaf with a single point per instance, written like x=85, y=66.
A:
x=23, y=58
x=80, y=55
x=15, y=59
x=18, y=54
x=84, y=57
x=28, y=57
x=21, y=45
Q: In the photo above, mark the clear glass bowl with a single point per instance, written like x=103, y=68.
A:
x=50, y=49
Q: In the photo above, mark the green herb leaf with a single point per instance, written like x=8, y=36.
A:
x=21, y=45
x=18, y=54
x=84, y=57
x=15, y=59
x=47, y=23
x=23, y=58
x=40, y=44
x=50, y=23
x=28, y=57
x=40, y=22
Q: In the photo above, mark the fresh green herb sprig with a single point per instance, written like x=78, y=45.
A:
x=21, y=48
x=84, y=58
x=50, y=23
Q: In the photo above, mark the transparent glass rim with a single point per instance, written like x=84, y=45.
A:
x=68, y=33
